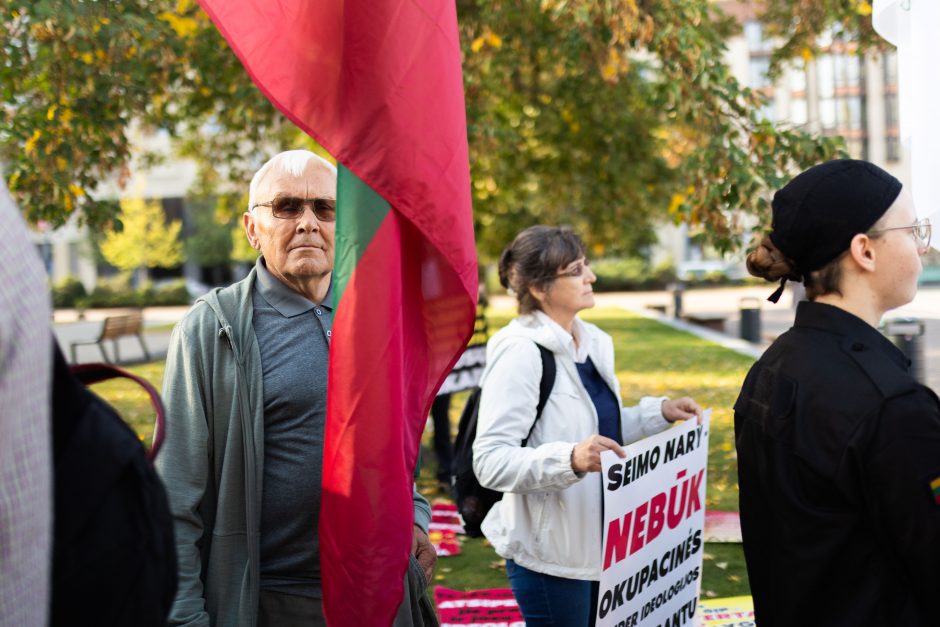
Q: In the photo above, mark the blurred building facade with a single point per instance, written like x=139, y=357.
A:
x=832, y=92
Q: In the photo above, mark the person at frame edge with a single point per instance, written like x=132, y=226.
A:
x=440, y=408
x=838, y=446
x=245, y=393
x=548, y=524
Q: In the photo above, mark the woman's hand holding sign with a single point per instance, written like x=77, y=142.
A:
x=586, y=456
x=681, y=409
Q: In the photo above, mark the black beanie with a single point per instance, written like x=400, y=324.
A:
x=816, y=215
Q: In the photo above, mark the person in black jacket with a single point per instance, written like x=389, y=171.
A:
x=838, y=446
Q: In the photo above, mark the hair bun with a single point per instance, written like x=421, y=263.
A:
x=767, y=262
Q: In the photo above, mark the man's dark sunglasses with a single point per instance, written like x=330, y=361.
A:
x=291, y=208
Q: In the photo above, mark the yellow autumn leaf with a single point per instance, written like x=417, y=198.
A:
x=50, y=114
x=76, y=190
x=494, y=40
x=184, y=26
x=675, y=203
x=477, y=44
x=66, y=117
x=61, y=163
x=67, y=204
x=807, y=54
x=87, y=58
x=30, y=146
x=100, y=55
x=609, y=71
x=863, y=8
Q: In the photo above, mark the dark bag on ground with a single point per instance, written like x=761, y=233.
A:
x=473, y=500
x=113, y=556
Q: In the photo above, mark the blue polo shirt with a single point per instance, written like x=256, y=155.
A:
x=294, y=340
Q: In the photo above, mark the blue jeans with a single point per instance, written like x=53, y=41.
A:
x=548, y=601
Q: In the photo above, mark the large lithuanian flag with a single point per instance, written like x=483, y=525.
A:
x=378, y=84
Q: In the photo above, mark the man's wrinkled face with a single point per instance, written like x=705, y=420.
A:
x=295, y=249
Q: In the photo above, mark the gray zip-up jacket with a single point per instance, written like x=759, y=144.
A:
x=213, y=455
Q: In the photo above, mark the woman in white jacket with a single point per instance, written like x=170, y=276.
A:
x=548, y=525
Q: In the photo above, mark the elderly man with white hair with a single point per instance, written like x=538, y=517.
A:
x=245, y=389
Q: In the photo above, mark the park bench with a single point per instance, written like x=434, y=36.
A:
x=715, y=322
x=114, y=328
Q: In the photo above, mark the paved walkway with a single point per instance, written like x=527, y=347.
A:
x=775, y=319
x=68, y=328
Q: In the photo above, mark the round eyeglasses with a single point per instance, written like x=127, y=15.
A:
x=920, y=230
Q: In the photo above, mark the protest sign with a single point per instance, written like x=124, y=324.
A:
x=469, y=368
x=654, y=515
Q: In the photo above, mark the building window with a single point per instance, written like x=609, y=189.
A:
x=892, y=148
x=847, y=70
x=892, y=117
x=825, y=75
x=891, y=68
x=827, y=113
x=798, y=111
x=754, y=34
x=798, y=77
x=757, y=76
x=849, y=112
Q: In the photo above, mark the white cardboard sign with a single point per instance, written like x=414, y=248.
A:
x=654, y=516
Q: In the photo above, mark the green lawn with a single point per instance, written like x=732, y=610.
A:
x=651, y=359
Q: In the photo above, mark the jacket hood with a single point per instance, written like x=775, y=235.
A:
x=233, y=307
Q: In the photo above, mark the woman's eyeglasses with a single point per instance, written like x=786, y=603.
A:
x=291, y=208
x=576, y=271
x=920, y=229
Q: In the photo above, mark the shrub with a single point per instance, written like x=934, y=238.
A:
x=67, y=292
x=172, y=293
x=634, y=273
x=117, y=292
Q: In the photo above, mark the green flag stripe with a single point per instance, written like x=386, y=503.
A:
x=360, y=212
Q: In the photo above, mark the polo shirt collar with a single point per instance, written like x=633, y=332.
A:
x=286, y=301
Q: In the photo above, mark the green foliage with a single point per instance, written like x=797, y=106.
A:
x=117, y=292
x=801, y=23
x=72, y=77
x=145, y=240
x=608, y=116
x=209, y=243
x=634, y=273
x=67, y=292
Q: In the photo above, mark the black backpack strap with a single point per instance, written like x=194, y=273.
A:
x=545, y=385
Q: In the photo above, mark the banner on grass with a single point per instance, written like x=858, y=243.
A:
x=493, y=608
x=728, y=612
x=654, y=514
